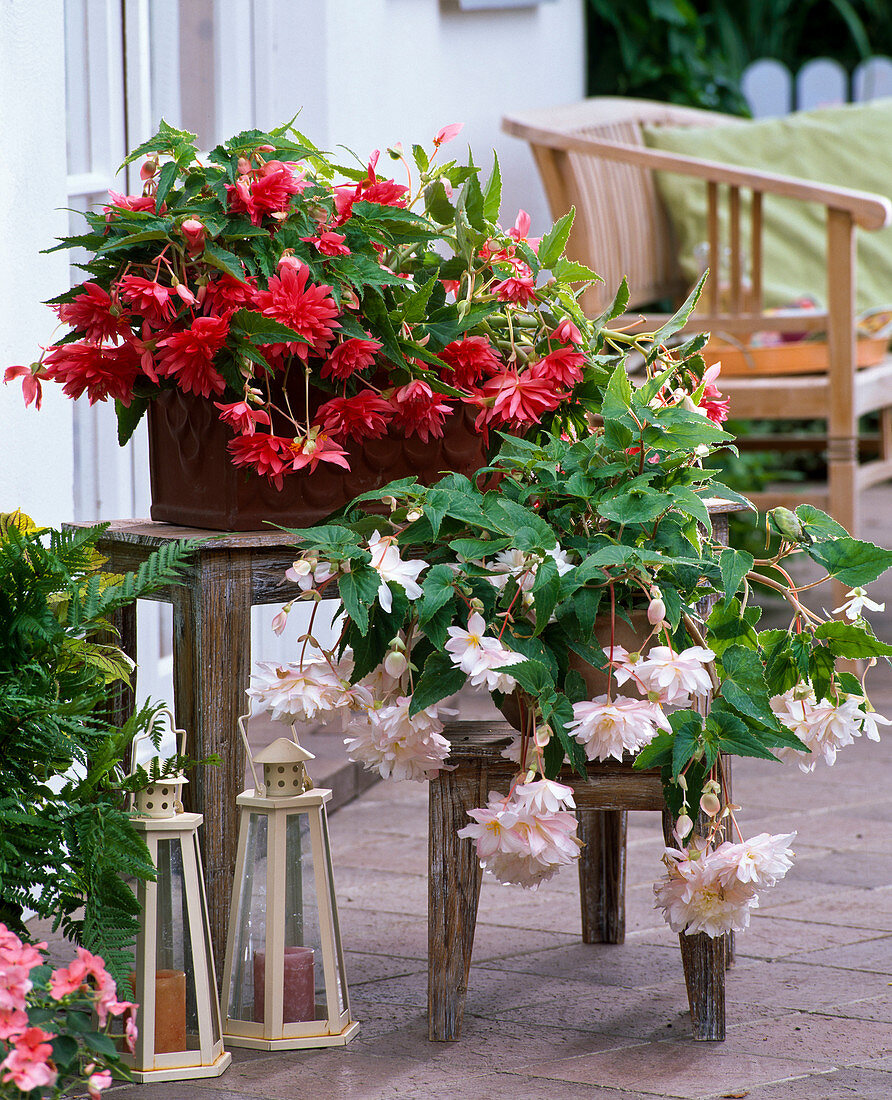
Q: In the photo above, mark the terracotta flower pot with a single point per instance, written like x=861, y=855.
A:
x=631, y=638
x=195, y=484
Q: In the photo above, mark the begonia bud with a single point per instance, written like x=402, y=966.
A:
x=656, y=612
x=710, y=804
x=395, y=663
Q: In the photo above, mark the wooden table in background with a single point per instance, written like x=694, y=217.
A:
x=227, y=575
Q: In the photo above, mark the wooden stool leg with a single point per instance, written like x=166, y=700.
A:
x=704, y=961
x=602, y=875
x=454, y=878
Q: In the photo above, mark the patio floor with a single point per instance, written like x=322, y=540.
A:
x=809, y=1000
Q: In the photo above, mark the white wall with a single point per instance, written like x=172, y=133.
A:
x=36, y=449
x=374, y=72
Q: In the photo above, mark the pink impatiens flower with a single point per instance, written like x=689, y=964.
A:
x=28, y=1065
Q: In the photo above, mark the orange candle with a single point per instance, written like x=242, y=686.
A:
x=170, y=1011
x=299, y=1001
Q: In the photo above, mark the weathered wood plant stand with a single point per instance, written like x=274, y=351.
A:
x=603, y=800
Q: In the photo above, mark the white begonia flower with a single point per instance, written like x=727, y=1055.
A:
x=396, y=745
x=856, y=602
x=479, y=656
x=522, y=566
x=519, y=843
x=606, y=727
x=545, y=796
x=716, y=892
x=307, y=574
x=823, y=727
x=674, y=677
x=390, y=567
x=302, y=692
x=762, y=860
x=395, y=663
x=693, y=899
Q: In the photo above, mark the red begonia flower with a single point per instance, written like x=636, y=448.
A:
x=419, y=411
x=147, y=298
x=93, y=313
x=349, y=357
x=188, y=356
x=308, y=309
x=99, y=372
x=469, y=360
x=364, y=416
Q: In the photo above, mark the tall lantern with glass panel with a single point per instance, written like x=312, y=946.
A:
x=283, y=982
x=174, y=981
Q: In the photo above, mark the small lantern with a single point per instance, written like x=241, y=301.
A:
x=174, y=981
x=283, y=983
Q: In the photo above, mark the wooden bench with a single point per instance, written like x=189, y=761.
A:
x=591, y=155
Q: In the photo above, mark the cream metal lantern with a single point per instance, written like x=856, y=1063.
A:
x=178, y=1018
x=284, y=909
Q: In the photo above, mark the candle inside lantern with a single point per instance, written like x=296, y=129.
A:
x=170, y=1011
x=299, y=1001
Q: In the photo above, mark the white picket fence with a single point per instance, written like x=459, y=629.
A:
x=772, y=90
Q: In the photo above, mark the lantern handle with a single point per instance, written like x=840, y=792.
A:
x=241, y=725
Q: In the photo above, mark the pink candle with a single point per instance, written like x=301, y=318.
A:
x=299, y=1001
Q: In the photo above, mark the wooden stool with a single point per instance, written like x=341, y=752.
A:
x=228, y=574
x=455, y=876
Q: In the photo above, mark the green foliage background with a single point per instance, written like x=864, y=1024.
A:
x=66, y=841
x=694, y=52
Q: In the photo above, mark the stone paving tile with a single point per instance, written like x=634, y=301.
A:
x=817, y=1039
x=628, y=965
x=870, y=1008
x=673, y=1069
x=874, y=955
x=365, y=966
x=857, y=908
x=378, y=852
x=777, y=937
x=852, y=1082
x=370, y=931
x=518, y=1086
x=798, y=986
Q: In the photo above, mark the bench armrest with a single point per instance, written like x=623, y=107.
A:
x=868, y=210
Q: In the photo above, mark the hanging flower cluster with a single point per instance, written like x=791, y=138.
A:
x=53, y=1055
x=318, y=306
x=578, y=580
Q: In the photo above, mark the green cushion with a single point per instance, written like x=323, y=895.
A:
x=846, y=146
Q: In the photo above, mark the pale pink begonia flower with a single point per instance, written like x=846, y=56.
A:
x=396, y=745
x=762, y=860
x=856, y=600
x=520, y=844
x=674, y=677
x=13, y=1021
x=609, y=727
x=300, y=692
x=391, y=568
x=823, y=727
x=306, y=575
x=694, y=899
x=523, y=566
x=479, y=656
x=545, y=796
x=280, y=621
